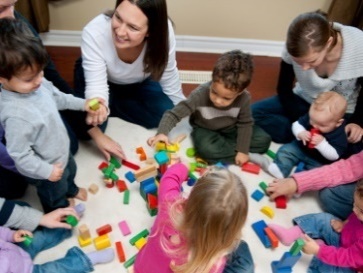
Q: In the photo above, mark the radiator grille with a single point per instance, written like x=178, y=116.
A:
x=195, y=77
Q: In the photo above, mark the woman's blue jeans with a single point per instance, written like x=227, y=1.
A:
x=75, y=261
x=142, y=103
x=270, y=115
x=318, y=226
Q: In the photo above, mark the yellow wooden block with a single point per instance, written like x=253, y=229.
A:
x=102, y=242
x=268, y=211
x=173, y=147
x=83, y=243
x=140, y=243
x=94, y=104
x=160, y=146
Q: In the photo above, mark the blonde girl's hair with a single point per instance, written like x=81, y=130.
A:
x=211, y=221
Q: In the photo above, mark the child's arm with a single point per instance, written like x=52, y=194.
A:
x=299, y=130
x=7, y=234
x=170, y=184
x=158, y=138
x=18, y=235
x=20, y=149
x=241, y=158
x=310, y=246
x=324, y=147
x=337, y=225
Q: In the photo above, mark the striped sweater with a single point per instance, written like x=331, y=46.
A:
x=204, y=114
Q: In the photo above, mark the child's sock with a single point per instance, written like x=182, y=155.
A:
x=274, y=170
x=80, y=208
x=260, y=160
x=102, y=256
x=286, y=235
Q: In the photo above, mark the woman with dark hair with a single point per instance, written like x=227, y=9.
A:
x=128, y=59
x=319, y=56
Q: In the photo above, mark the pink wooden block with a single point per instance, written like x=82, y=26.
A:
x=125, y=230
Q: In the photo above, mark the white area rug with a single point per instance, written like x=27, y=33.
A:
x=106, y=207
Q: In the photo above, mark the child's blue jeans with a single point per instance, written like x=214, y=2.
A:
x=240, y=260
x=289, y=155
x=54, y=195
x=75, y=260
x=318, y=226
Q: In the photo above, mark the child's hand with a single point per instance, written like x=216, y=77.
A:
x=337, y=225
x=316, y=139
x=55, y=218
x=310, y=247
x=158, y=138
x=96, y=117
x=304, y=136
x=19, y=235
x=57, y=173
x=241, y=158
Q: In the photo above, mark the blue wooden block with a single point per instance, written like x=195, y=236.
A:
x=191, y=182
x=286, y=263
x=130, y=176
x=259, y=227
x=257, y=195
x=161, y=157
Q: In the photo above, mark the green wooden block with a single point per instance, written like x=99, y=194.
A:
x=271, y=154
x=115, y=162
x=130, y=261
x=191, y=152
x=263, y=186
x=126, y=197
x=70, y=219
x=296, y=247
x=141, y=234
x=27, y=240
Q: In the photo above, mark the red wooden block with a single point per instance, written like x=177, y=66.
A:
x=130, y=165
x=163, y=168
x=121, y=185
x=280, y=202
x=251, y=168
x=120, y=252
x=272, y=237
x=103, y=165
x=152, y=201
x=104, y=230
x=313, y=131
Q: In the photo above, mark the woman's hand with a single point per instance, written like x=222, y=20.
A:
x=106, y=145
x=285, y=186
x=96, y=117
x=354, y=132
x=56, y=218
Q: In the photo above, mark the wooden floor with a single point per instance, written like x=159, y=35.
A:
x=263, y=83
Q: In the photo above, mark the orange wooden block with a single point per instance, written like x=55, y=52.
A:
x=272, y=237
x=120, y=252
x=142, y=155
x=104, y=229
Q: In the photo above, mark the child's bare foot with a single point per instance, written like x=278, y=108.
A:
x=71, y=201
x=82, y=194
